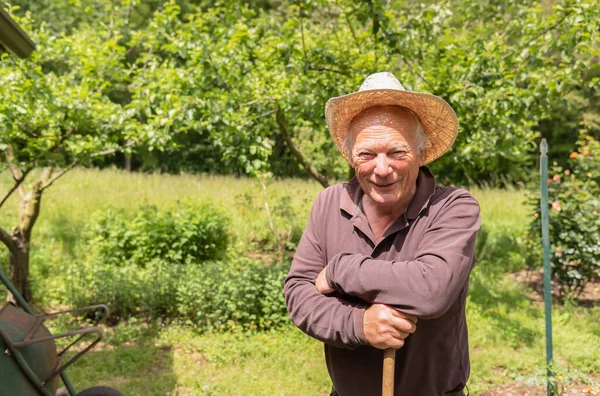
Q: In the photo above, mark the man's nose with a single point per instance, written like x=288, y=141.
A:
x=382, y=167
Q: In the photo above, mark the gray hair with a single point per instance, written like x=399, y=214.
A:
x=421, y=137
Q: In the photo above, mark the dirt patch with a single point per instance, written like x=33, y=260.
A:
x=194, y=356
x=534, y=280
x=520, y=389
x=515, y=389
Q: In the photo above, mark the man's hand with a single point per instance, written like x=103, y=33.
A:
x=321, y=283
x=386, y=327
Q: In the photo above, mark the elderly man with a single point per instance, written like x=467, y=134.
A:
x=384, y=260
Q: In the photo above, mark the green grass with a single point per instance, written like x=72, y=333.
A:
x=71, y=201
x=177, y=361
x=506, y=327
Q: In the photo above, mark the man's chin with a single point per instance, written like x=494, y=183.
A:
x=383, y=198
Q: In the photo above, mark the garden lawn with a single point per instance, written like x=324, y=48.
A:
x=506, y=327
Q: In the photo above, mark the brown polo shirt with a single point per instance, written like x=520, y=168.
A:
x=420, y=266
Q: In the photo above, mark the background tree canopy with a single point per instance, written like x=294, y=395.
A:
x=239, y=88
x=218, y=86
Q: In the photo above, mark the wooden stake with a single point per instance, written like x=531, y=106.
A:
x=389, y=364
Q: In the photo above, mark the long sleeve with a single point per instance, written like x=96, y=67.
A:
x=428, y=285
x=327, y=318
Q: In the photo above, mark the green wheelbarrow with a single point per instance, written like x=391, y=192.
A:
x=30, y=364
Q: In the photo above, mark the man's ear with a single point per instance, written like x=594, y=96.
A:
x=421, y=158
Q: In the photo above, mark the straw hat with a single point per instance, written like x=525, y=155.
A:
x=437, y=117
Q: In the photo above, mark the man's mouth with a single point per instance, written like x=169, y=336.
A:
x=384, y=185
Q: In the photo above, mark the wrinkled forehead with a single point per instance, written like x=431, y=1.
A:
x=395, y=116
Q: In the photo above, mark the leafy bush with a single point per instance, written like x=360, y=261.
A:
x=238, y=295
x=241, y=294
x=185, y=234
x=128, y=290
x=574, y=207
x=161, y=264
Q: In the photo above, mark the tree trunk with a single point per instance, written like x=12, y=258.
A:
x=18, y=243
x=128, y=162
x=19, y=268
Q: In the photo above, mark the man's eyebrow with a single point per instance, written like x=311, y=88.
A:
x=401, y=146
x=396, y=146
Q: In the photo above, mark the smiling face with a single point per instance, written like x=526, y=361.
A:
x=385, y=155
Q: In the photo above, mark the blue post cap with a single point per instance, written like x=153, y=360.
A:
x=543, y=146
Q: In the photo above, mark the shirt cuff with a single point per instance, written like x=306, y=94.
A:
x=358, y=315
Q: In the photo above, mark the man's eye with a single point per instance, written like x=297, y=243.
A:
x=365, y=154
x=398, y=153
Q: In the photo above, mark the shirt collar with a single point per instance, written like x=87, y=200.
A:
x=352, y=195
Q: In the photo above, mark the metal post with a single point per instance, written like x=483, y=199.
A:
x=546, y=257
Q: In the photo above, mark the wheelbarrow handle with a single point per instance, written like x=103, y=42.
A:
x=389, y=364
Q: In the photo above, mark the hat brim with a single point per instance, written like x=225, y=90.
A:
x=439, y=120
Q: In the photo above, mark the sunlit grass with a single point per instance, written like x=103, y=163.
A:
x=506, y=328
x=69, y=203
x=81, y=192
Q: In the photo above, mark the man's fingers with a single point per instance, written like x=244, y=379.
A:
x=385, y=327
x=396, y=343
x=401, y=335
x=399, y=314
x=403, y=325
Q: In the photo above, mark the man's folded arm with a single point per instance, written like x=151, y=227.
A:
x=426, y=286
x=327, y=318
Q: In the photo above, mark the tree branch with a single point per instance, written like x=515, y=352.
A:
x=7, y=240
x=312, y=171
x=302, y=32
x=353, y=33
x=78, y=161
x=113, y=150
x=15, y=186
x=10, y=159
x=14, y=169
x=416, y=73
x=537, y=36
x=31, y=204
x=60, y=174
x=255, y=101
x=327, y=69
x=266, y=113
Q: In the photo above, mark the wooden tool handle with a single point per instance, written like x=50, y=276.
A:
x=389, y=363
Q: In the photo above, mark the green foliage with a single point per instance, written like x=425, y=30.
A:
x=54, y=110
x=185, y=234
x=136, y=261
x=205, y=80
x=574, y=220
x=128, y=290
x=239, y=294
x=230, y=295
x=283, y=230
x=162, y=263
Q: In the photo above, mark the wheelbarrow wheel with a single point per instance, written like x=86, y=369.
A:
x=100, y=391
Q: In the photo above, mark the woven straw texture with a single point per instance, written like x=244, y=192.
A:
x=439, y=121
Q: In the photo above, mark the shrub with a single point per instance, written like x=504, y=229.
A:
x=135, y=260
x=185, y=234
x=239, y=295
x=163, y=264
x=574, y=217
x=128, y=290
